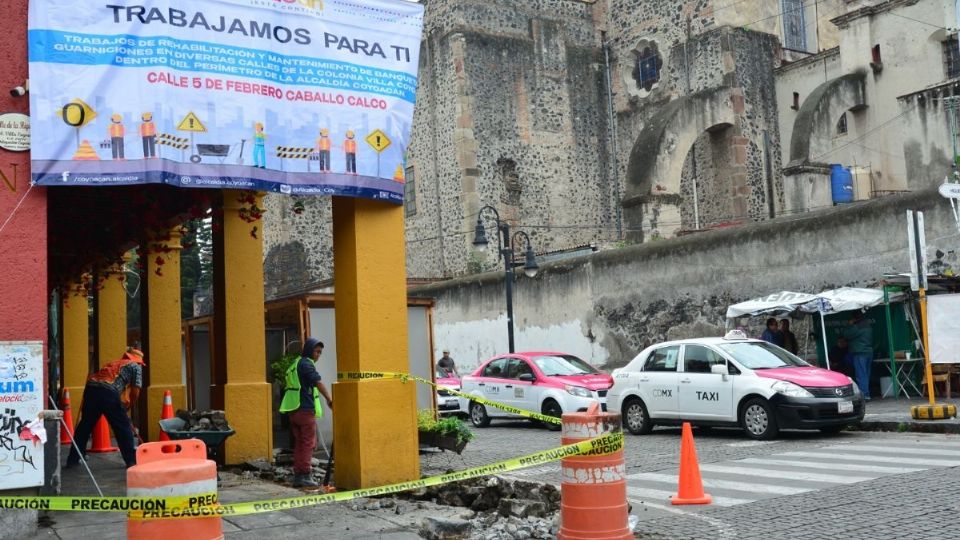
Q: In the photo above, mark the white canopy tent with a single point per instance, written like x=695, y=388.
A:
x=824, y=303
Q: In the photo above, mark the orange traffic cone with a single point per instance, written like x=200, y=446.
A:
x=66, y=427
x=101, y=438
x=691, y=486
x=166, y=412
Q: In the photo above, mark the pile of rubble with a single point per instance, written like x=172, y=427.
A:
x=502, y=510
x=281, y=470
x=203, y=420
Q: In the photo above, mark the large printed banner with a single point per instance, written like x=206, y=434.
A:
x=293, y=96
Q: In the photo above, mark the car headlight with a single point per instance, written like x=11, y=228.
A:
x=856, y=389
x=790, y=390
x=577, y=390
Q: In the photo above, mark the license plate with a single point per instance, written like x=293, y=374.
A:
x=451, y=402
x=845, y=407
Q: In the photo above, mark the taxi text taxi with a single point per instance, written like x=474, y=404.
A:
x=549, y=383
x=732, y=381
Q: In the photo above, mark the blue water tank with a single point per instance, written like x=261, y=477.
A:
x=841, y=184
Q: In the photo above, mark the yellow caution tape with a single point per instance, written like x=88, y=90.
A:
x=187, y=507
x=107, y=504
x=373, y=375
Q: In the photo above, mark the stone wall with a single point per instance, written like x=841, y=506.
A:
x=610, y=305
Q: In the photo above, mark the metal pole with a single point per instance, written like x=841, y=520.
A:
x=928, y=367
x=507, y=252
x=895, y=383
x=826, y=349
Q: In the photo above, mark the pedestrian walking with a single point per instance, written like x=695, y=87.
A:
x=859, y=336
x=302, y=401
x=104, y=395
x=446, y=365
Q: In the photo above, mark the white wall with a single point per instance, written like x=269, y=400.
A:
x=472, y=342
x=323, y=327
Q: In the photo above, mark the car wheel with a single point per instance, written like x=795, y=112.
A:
x=552, y=408
x=636, y=417
x=478, y=415
x=758, y=421
x=831, y=430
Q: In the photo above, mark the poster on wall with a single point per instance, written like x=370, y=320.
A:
x=944, y=327
x=289, y=96
x=21, y=402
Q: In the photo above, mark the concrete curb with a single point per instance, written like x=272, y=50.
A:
x=950, y=426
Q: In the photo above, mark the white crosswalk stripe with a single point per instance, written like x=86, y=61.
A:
x=779, y=474
x=865, y=458
x=648, y=494
x=724, y=484
x=917, y=450
x=832, y=466
x=786, y=475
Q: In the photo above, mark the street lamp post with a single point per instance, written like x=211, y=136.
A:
x=506, y=250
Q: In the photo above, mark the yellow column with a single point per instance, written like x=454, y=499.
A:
x=375, y=421
x=162, y=336
x=240, y=328
x=76, y=341
x=112, y=315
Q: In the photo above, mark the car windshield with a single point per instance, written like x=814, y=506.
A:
x=563, y=365
x=761, y=355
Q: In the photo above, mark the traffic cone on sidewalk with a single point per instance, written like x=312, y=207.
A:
x=690, y=490
x=101, y=438
x=166, y=413
x=66, y=427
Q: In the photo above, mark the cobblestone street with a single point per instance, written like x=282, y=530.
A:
x=817, y=486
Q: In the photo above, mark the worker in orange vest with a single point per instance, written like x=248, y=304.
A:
x=116, y=136
x=110, y=392
x=323, y=150
x=148, y=131
x=350, y=149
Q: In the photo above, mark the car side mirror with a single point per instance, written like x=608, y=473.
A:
x=720, y=369
x=528, y=377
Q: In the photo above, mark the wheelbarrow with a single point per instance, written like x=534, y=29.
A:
x=213, y=439
x=219, y=151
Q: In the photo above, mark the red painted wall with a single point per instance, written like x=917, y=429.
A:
x=23, y=241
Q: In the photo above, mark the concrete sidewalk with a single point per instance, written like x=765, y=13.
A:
x=894, y=415
x=364, y=518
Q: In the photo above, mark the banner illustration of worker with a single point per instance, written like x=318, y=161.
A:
x=216, y=93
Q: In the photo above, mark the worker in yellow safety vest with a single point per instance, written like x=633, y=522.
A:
x=302, y=400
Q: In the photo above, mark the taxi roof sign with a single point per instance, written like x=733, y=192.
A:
x=378, y=140
x=190, y=122
x=735, y=334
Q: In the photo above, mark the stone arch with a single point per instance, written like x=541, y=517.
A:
x=816, y=120
x=657, y=158
x=806, y=179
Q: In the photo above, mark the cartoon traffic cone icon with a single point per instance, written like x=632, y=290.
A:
x=259, y=146
x=350, y=150
x=323, y=150
x=148, y=132
x=116, y=136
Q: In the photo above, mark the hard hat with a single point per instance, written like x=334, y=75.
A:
x=324, y=132
x=116, y=117
x=134, y=354
x=349, y=134
x=147, y=116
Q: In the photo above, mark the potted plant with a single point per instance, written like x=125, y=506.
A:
x=447, y=434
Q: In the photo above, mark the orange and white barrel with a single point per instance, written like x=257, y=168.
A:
x=593, y=490
x=174, y=469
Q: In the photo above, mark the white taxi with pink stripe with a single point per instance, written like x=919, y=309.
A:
x=550, y=383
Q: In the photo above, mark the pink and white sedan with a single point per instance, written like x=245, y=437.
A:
x=550, y=383
x=447, y=403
